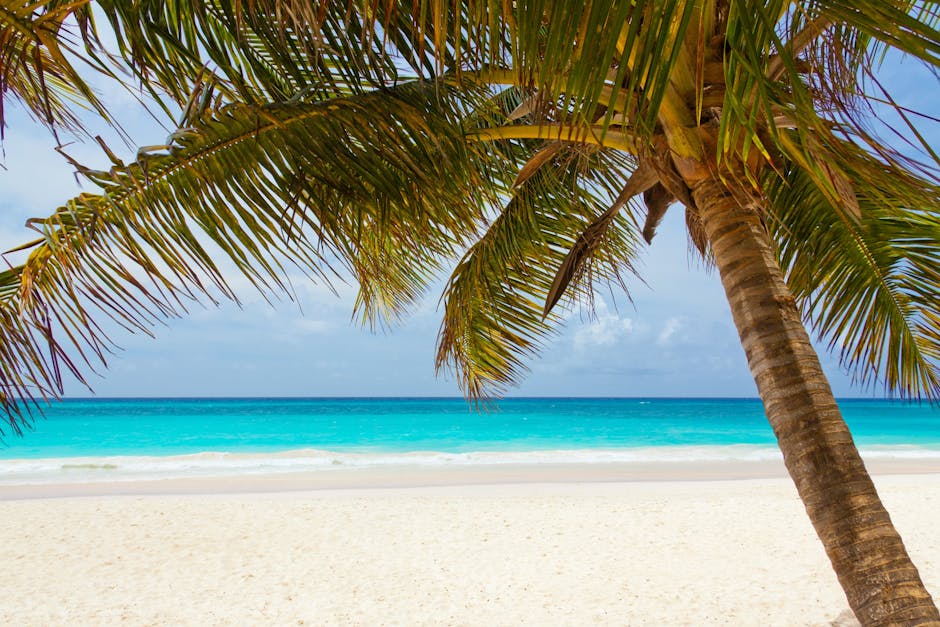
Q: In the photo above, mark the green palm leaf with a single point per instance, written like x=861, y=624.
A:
x=37, y=56
x=869, y=285
x=382, y=185
x=577, y=55
x=494, y=301
x=810, y=67
x=265, y=51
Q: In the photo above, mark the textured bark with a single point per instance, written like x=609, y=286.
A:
x=881, y=583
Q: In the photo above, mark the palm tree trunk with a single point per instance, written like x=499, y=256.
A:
x=882, y=584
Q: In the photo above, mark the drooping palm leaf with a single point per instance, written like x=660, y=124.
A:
x=493, y=303
x=808, y=66
x=381, y=184
x=868, y=285
x=585, y=247
x=577, y=54
x=38, y=52
x=264, y=51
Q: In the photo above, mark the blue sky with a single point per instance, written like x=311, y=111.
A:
x=675, y=339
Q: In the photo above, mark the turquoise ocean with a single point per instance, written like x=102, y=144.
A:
x=126, y=439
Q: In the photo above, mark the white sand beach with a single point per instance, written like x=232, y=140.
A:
x=468, y=549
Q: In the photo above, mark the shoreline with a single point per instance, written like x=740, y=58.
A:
x=405, y=476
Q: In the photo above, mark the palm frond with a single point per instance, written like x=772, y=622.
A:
x=812, y=67
x=263, y=51
x=868, y=285
x=576, y=55
x=908, y=26
x=585, y=246
x=843, y=80
x=752, y=94
x=493, y=303
x=381, y=185
x=37, y=55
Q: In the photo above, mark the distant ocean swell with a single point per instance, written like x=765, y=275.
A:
x=220, y=464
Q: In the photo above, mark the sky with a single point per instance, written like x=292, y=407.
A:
x=675, y=338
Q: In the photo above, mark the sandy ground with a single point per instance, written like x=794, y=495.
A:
x=690, y=552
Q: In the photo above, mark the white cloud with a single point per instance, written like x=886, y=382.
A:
x=605, y=329
x=308, y=326
x=670, y=328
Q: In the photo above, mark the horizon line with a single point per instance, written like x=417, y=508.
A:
x=442, y=397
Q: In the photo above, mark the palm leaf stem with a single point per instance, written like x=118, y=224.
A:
x=579, y=134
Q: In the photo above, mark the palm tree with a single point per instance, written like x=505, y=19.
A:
x=384, y=140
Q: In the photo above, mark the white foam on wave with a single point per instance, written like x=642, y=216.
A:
x=899, y=451
x=209, y=464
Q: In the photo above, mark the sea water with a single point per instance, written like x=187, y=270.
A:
x=125, y=439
